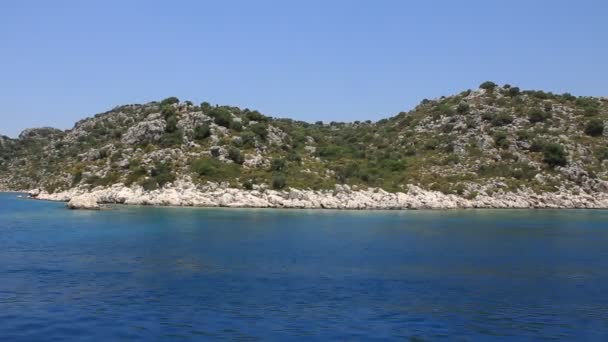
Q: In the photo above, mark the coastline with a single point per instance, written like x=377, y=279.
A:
x=186, y=194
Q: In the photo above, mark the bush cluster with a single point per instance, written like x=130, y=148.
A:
x=488, y=85
x=538, y=115
x=500, y=140
x=502, y=119
x=554, y=155
x=595, y=128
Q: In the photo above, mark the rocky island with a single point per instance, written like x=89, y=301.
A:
x=492, y=147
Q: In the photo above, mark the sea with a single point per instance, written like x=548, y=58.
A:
x=198, y=274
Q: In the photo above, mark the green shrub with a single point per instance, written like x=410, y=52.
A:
x=248, y=139
x=537, y=146
x=235, y=155
x=331, y=151
x=595, y=128
x=511, y=170
x=586, y=102
x=513, y=91
x=523, y=135
x=502, y=119
x=171, y=124
x=470, y=122
x=591, y=111
x=248, y=184
x=169, y=101
x=345, y=171
x=110, y=178
x=116, y=157
x=447, y=128
x=589, y=105
x=205, y=166
x=394, y=165
x=448, y=148
x=278, y=181
x=173, y=139
x=278, y=164
x=236, y=125
x=431, y=145
x=538, y=115
x=206, y=107
x=255, y=116
x=602, y=154
x=149, y=148
x=215, y=151
x=463, y=108
x=260, y=130
x=167, y=112
x=500, y=140
x=488, y=116
x=202, y=132
x=522, y=171
x=488, y=85
x=211, y=168
x=443, y=108
x=294, y=157
x=568, y=97
x=76, y=177
x=149, y=184
x=554, y=155
x=161, y=174
x=539, y=94
x=135, y=175
x=223, y=118
x=93, y=180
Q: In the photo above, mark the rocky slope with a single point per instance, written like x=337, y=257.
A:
x=495, y=146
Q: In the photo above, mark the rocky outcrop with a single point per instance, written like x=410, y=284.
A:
x=145, y=132
x=40, y=133
x=256, y=161
x=185, y=193
x=84, y=201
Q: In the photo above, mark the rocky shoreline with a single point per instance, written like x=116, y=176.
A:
x=187, y=194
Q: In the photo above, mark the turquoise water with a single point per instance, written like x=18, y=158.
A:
x=198, y=274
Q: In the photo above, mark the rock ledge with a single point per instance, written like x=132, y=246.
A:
x=184, y=193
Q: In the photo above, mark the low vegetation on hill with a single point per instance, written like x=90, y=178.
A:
x=478, y=141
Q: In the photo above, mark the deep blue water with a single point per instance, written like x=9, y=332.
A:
x=198, y=274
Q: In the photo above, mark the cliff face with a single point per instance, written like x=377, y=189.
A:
x=493, y=140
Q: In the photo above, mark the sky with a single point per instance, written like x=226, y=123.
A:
x=330, y=60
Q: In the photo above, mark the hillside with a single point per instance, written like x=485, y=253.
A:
x=496, y=139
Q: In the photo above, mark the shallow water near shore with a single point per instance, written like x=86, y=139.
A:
x=148, y=273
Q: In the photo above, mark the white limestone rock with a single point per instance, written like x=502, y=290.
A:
x=86, y=201
x=144, y=132
x=184, y=193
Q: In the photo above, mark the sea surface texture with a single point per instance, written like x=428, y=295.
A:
x=143, y=273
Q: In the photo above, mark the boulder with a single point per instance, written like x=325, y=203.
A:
x=34, y=193
x=86, y=201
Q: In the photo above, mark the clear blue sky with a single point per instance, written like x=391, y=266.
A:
x=61, y=61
